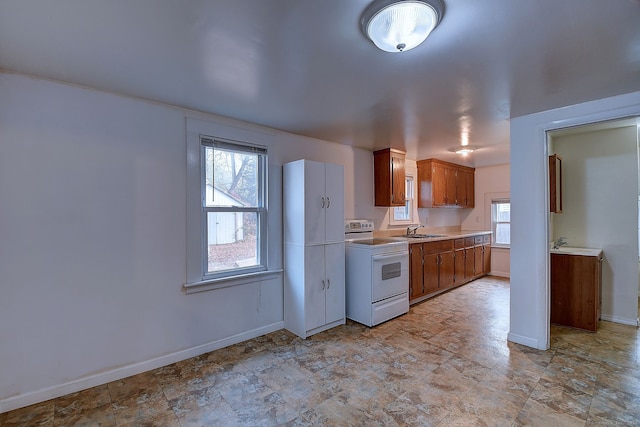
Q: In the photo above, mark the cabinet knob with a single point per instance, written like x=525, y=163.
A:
x=328, y=283
x=328, y=202
x=323, y=202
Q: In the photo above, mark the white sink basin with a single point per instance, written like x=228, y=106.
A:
x=569, y=250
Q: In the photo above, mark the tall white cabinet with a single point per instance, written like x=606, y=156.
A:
x=314, y=292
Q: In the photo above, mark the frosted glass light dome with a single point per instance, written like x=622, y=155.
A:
x=400, y=25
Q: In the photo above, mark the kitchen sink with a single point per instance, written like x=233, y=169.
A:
x=423, y=236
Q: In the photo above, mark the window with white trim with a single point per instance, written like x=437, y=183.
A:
x=403, y=215
x=233, y=189
x=501, y=222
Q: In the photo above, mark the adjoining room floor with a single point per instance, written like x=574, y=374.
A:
x=447, y=362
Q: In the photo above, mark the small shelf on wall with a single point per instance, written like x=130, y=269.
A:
x=555, y=183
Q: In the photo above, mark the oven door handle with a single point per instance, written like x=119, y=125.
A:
x=393, y=255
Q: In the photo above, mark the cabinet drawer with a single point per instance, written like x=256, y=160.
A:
x=478, y=240
x=469, y=241
x=435, y=247
x=486, y=238
x=458, y=243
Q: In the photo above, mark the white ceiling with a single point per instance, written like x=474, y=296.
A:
x=304, y=66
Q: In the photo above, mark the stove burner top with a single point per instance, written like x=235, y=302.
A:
x=374, y=242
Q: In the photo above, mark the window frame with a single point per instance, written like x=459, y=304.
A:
x=194, y=281
x=260, y=210
x=494, y=222
x=409, y=204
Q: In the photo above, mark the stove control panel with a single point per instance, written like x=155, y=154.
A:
x=358, y=225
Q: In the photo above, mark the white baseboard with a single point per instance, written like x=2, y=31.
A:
x=521, y=339
x=500, y=274
x=622, y=320
x=22, y=400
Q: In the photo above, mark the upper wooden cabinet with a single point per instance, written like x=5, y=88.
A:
x=555, y=183
x=444, y=184
x=389, y=177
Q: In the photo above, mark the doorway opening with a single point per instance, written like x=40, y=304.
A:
x=601, y=210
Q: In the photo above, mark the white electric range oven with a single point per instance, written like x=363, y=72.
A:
x=377, y=275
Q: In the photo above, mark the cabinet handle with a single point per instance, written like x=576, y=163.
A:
x=323, y=284
x=328, y=283
x=323, y=203
x=328, y=202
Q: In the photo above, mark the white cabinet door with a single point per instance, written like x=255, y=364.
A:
x=314, y=202
x=314, y=287
x=335, y=273
x=334, y=193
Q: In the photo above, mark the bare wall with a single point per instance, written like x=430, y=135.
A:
x=93, y=238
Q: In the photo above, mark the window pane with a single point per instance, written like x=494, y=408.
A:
x=503, y=233
x=402, y=213
x=232, y=240
x=408, y=192
x=231, y=178
x=503, y=212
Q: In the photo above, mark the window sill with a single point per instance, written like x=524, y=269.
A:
x=500, y=246
x=227, y=282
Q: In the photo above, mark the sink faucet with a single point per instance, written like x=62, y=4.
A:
x=559, y=242
x=412, y=230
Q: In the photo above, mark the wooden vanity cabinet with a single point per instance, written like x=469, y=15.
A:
x=576, y=289
x=389, y=177
x=444, y=184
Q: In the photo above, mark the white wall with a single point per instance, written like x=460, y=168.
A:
x=600, y=210
x=93, y=230
x=491, y=183
x=529, y=296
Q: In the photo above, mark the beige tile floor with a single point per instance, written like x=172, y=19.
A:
x=446, y=363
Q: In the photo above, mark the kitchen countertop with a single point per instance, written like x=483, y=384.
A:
x=445, y=236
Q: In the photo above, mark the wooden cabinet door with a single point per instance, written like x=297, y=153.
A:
x=466, y=188
x=458, y=266
x=416, y=274
x=469, y=263
x=446, y=269
x=398, y=183
x=486, y=259
x=389, y=177
x=478, y=264
x=451, y=178
x=431, y=269
x=439, y=184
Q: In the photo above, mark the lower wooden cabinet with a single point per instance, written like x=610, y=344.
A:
x=576, y=288
x=437, y=266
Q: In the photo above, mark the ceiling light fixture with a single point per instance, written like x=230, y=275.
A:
x=464, y=149
x=399, y=25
